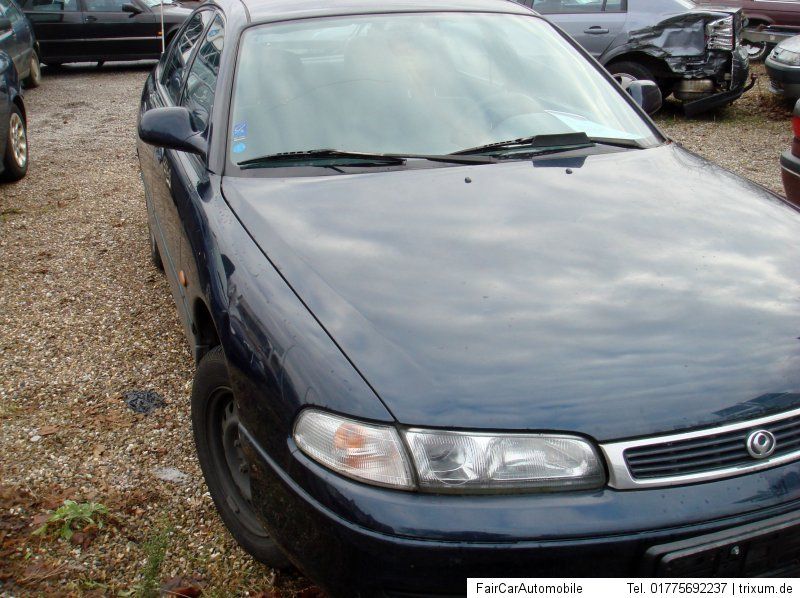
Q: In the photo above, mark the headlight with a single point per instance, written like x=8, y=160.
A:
x=367, y=452
x=464, y=462
x=785, y=56
x=720, y=34
x=448, y=461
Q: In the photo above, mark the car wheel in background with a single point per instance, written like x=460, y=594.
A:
x=756, y=51
x=35, y=75
x=215, y=421
x=16, y=156
x=627, y=72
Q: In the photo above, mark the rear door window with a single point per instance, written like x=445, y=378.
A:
x=105, y=5
x=556, y=7
x=51, y=5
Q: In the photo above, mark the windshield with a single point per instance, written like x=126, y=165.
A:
x=433, y=83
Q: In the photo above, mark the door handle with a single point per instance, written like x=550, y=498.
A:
x=91, y=19
x=596, y=30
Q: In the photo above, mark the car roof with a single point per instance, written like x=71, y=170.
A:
x=280, y=10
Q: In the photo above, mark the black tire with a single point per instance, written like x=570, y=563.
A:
x=155, y=255
x=15, y=159
x=215, y=425
x=635, y=70
x=34, y=78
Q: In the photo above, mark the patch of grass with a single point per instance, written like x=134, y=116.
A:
x=7, y=213
x=74, y=516
x=8, y=411
x=155, y=550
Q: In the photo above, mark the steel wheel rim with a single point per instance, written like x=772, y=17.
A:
x=754, y=49
x=19, y=140
x=226, y=448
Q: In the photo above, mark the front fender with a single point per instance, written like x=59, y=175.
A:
x=280, y=358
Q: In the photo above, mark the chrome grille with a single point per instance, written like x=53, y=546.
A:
x=707, y=453
x=701, y=455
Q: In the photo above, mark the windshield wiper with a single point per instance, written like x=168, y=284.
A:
x=618, y=142
x=550, y=143
x=344, y=158
x=327, y=155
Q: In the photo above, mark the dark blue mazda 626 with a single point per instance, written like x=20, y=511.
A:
x=460, y=309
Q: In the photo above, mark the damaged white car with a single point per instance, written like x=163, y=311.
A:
x=692, y=52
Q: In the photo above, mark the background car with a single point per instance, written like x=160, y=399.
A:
x=18, y=41
x=13, y=123
x=102, y=30
x=768, y=22
x=790, y=161
x=691, y=52
x=783, y=68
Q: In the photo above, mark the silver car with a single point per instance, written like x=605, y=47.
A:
x=691, y=52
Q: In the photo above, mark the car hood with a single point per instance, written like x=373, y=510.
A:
x=635, y=293
x=792, y=44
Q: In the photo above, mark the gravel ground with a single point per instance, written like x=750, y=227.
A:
x=85, y=318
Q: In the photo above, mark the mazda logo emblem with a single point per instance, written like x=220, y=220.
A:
x=761, y=444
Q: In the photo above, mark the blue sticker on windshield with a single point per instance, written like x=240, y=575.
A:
x=240, y=131
x=239, y=148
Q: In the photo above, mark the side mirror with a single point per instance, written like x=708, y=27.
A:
x=5, y=24
x=131, y=8
x=647, y=94
x=172, y=128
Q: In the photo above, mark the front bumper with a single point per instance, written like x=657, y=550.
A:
x=740, y=82
x=784, y=79
x=358, y=540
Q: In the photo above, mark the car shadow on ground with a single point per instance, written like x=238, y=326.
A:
x=83, y=68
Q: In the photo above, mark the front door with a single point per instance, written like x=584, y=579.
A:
x=164, y=171
x=593, y=23
x=114, y=33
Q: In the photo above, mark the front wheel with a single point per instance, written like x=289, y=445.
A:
x=35, y=74
x=215, y=420
x=756, y=51
x=627, y=72
x=15, y=160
